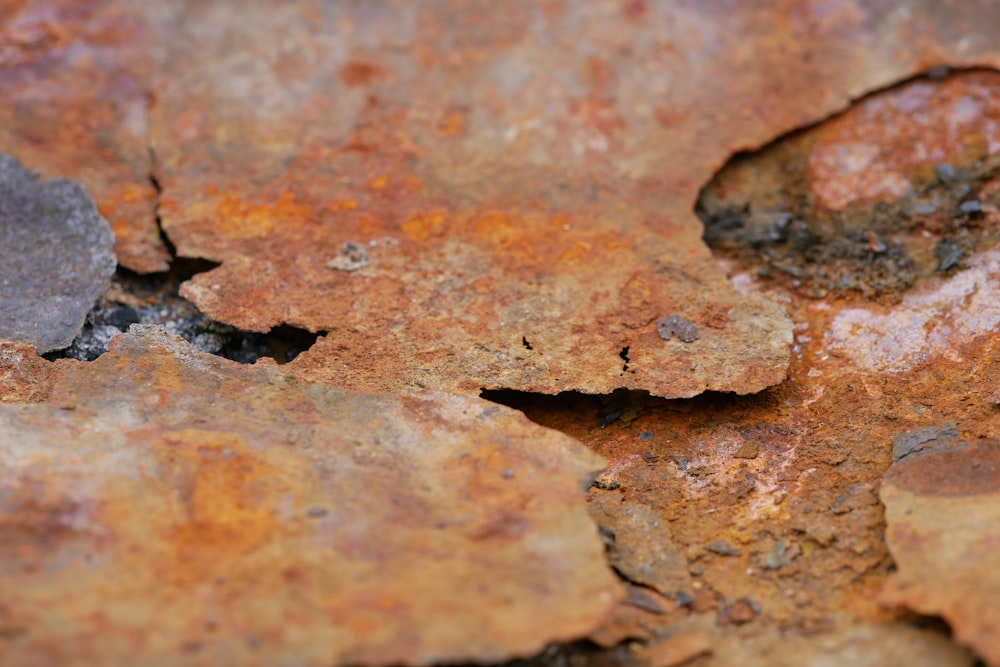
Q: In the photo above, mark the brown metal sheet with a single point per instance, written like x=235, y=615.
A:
x=943, y=512
x=521, y=176
x=75, y=83
x=773, y=499
x=165, y=506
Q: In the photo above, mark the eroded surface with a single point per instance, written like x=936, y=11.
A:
x=943, y=508
x=56, y=257
x=185, y=508
x=864, y=201
x=774, y=499
x=76, y=96
x=468, y=198
x=495, y=201
x=523, y=176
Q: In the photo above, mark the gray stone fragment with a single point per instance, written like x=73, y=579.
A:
x=56, y=257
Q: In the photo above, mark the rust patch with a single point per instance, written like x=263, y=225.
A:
x=942, y=509
x=521, y=181
x=24, y=376
x=358, y=73
x=75, y=104
x=591, y=183
x=233, y=502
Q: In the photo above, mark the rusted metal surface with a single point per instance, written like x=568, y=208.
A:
x=165, y=506
x=858, y=645
x=467, y=196
x=57, y=257
x=521, y=179
x=872, y=200
x=773, y=499
x=24, y=376
x=639, y=545
x=943, y=509
x=76, y=91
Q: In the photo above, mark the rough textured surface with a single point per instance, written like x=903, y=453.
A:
x=943, y=512
x=859, y=646
x=639, y=544
x=864, y=201
x=479, y=194
x=76, y=93
x=24, y=376
x=773, y=498
x=56, y=257
x=523, y=178
x=169, y=507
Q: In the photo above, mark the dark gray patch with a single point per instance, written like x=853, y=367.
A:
x=970, y=207
x=181, y=318
x=930, y=437
x=56, y=257
x=776, y=559
x=947, y=253
x=351, y=257
x=946, y=173
x=675, y=325
x=722, y=548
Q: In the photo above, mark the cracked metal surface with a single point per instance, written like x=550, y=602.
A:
x=521, y=182
x=76, y=94
x=165, y=506
x=518, y=175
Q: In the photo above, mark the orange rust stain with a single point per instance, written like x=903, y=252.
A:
x=240, y=219
x=343, y=205
x=359, y=73
x=186, y=124
x=362, y=626
x=865, y=154
x=494, y=225
x=171, y=205
x=226, y=509
x=379, y=182
x=613, y=242
x=422, y=226
x=133, y=192
x=715, y=316
x=637, y=288
x=369, y=226
x=130, y=193
x=635, y=10
x=452, y=122
x=576, y=252
x=412, y=183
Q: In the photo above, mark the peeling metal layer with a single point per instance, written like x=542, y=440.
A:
x=75, y=97
x=56, y=257
x=943, y=512
x=522, y=177
x=165, y=506
x=639, y=543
